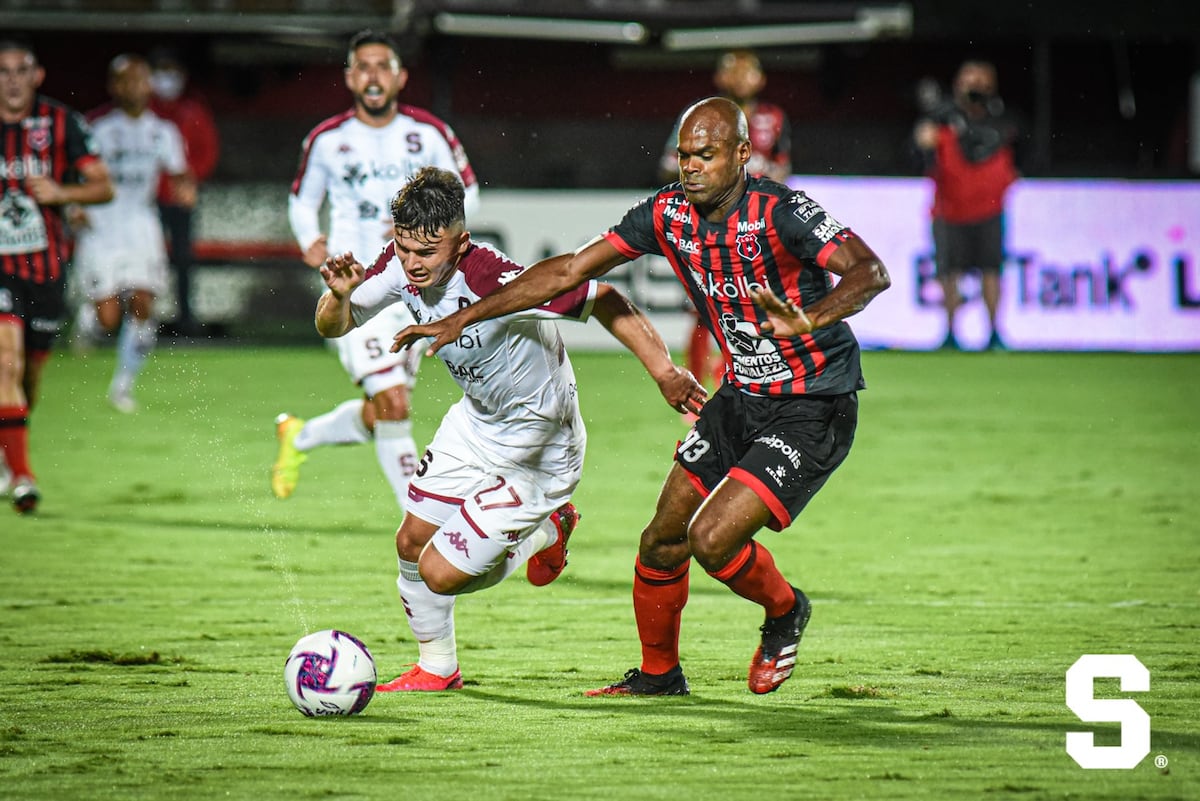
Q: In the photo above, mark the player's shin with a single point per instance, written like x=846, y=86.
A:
x=342, y=426
x=658, y=600
x=397, y=453
x=431, y=618
x=753, y=575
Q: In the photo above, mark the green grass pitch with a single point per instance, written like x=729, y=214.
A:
x=1000, y=516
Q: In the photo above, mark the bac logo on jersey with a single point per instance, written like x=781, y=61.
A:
x=748, y=247
x=508, y=276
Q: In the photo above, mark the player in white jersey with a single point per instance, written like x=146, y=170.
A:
x=493, y=489
x=357, y=161
x=121, y=258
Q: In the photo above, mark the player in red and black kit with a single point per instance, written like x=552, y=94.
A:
x=756, y=259
x=49, y=161
x=969, y=148
x=738, y=76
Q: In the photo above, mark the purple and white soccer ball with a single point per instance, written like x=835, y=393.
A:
x=330, y=672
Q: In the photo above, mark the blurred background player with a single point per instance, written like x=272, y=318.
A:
x=507, y=457
x=968, y=146
x=121, y=257
x=49, y=160
x=738, y=76
x=172, y=101
x=357, y=161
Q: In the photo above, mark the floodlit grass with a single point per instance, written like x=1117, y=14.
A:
x=1000, y=516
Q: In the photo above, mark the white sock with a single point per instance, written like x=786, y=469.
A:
x=542, y=537
x=431, y=618
x=342, y=426
x=87, y=325
x=397, y=454
x=134, y=344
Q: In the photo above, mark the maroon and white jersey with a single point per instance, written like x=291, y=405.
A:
x=360, y=169
x=53, y=141
x=518, y=382
x=773, y=237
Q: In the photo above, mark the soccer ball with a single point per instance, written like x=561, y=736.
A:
x=330, y=673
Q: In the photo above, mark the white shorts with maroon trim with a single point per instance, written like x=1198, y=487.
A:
x=485, y=506
x=365, y=353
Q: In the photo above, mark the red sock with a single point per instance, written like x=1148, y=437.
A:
x=752, y=574
x=14, y=439
x=658, y=600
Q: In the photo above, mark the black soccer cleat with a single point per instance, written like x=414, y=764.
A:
x=673, y=682
x=775, y=658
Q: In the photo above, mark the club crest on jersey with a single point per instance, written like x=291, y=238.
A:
x=355, y=175
x=748, y=247
x=38, y=138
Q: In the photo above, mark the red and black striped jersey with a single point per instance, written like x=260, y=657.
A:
x=53, y=141
x=773, y=237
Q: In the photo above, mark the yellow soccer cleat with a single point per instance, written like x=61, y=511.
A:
x=286, y=471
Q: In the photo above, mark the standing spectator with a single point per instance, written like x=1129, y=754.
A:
x=786, y=415
x=172, y=102
x=739, y=76
x=507, y=457
x=121, y=258
x=49, y=160
x=357, y=161
x=968, y=145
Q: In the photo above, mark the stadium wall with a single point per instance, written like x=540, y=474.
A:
x=1092, y=265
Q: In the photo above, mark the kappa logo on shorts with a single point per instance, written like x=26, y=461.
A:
x=458, y=541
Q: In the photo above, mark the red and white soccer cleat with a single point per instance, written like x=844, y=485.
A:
x=547, y=564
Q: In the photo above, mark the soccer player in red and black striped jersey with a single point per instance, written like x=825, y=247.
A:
x=47, y=160
x=757, y=260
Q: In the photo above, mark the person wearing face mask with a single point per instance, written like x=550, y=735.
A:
x=969, y=146
x=194, y=119
x=121, y=258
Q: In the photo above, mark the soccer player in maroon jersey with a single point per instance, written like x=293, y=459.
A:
x=756, y=259
x=48, y=161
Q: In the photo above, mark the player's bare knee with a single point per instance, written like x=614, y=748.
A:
x=391, y=404
x=711, y=545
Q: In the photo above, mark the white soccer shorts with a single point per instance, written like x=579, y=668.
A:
x=366, y=356
x=485, y=507
x=107, y=266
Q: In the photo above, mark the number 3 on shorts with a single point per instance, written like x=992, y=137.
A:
x=692, y=447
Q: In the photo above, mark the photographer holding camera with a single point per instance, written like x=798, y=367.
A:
x=968, y=147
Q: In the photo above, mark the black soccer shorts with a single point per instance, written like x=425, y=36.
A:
x=783, y=448
x=40, y=307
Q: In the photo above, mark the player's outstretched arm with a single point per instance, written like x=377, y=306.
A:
x=342, y=273
x=634, y=330
x=546, y=279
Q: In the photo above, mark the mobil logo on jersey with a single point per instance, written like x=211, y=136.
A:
x=748, y=246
